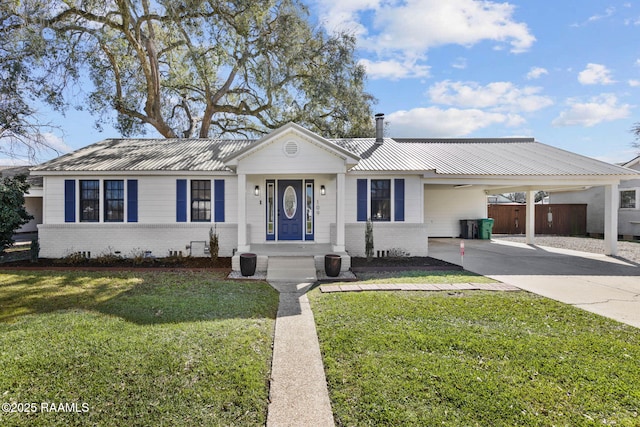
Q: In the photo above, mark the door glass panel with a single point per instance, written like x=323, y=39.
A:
x=309, y=210
x=290, y=202
x=271, y=208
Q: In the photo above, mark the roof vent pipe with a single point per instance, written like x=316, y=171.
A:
x=379, y=128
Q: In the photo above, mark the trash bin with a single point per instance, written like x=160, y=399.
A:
x=248, y=264
x=332, y=265
x=469, y=228
x=485, y=226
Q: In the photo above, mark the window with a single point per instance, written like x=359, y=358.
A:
x=201, y=200
x=271, y=209
x=114, y=200
x=381, y=200
x=90, y=200
x=309, y=208
x=628, y=199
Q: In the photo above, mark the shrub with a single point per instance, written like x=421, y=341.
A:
x=34, y=250
x=12, y=211
x=368, y=240
x=108, y=257
x=138, y=256
x=74, y=258
x=214, y=245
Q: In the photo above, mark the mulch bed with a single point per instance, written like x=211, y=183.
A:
x=223, y=264
x=20, y=260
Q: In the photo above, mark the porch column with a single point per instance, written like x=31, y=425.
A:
x=611, y=219
x=340, y=245
x=242, y=213
x=530, y=231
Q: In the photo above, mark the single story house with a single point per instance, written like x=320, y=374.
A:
x=628, y=211
x=293, y=188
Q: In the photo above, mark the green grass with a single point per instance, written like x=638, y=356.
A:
x=480, y=359
x=161, y=349
x=414, y=276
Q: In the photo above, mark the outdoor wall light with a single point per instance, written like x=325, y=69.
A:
x=256, y=190
x=323, y=190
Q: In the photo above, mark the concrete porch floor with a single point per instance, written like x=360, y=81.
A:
x=291, y=249
x=317, y=251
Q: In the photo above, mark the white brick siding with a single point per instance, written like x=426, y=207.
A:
x=410, y=238
x=59, y=240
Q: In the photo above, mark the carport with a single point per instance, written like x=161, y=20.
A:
x=475, y=168
x=594, y=282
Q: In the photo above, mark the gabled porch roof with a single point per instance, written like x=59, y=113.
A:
x=351, y=159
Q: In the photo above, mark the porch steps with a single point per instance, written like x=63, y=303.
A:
x=291, y=269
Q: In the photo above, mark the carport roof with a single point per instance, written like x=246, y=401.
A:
x=455, y=157
x=497, y=156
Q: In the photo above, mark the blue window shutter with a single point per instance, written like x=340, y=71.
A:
x=399, y=199
x=181, y=200
x=362, y=200
x=132, y=200
x=69, y=200
x=218, y=190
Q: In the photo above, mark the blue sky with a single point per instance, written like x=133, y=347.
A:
x=564, y=72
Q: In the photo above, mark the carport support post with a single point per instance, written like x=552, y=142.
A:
x=531, y=217
x=611, y=219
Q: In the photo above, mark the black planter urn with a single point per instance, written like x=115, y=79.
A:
x=332, y=264
x=248, y=264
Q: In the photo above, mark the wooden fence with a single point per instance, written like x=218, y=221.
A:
x=566, y=219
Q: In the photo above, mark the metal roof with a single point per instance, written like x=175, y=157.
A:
x=194, y=154
x=508, y=156
x=11, y=171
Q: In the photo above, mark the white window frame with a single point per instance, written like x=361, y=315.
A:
x=637, y=198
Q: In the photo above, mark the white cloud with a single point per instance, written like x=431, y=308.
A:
x=343, y=15
x=607, y=13
x=536, y=73
x=438, y=123
x=595, y=74
x=414, y=26
x=460, y=63
x=632, y=21
x=602, y=108
x=418, y=25
x=56, y=143
x=498, y=96
x=634, y=83
x=33, y=147
x=394, y=70
x=618, y=157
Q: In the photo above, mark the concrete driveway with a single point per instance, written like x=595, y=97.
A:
x=604, y=285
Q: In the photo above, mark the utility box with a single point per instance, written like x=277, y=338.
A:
x=485, y=227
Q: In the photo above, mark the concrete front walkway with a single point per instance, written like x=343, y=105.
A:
x=604, y=285
x=298, y=394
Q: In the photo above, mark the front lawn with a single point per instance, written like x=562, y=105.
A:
x=420, y=276
x=475, y=359
x=161, y=349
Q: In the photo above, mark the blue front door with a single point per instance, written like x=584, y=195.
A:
x=290, y=213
